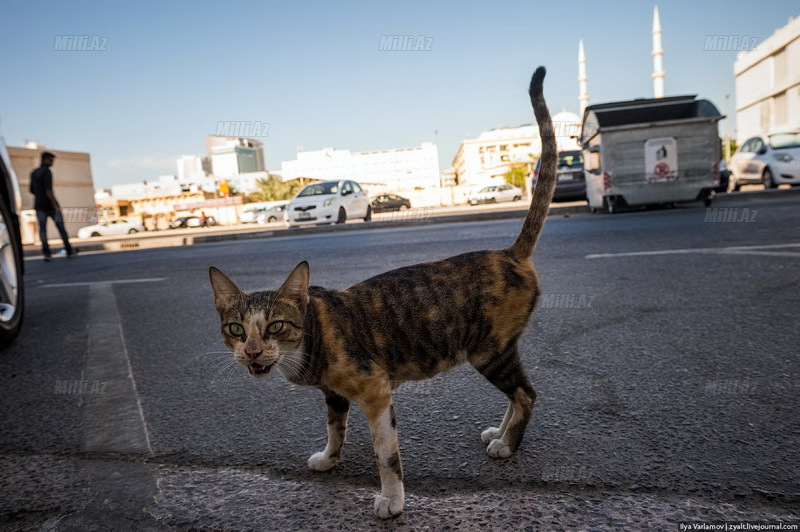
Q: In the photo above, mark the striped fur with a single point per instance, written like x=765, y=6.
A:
x=359, y=344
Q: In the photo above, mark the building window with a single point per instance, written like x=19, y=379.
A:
x=781, y=109
x=780, y=68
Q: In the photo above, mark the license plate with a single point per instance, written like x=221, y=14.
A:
x=564, y=177
x=303, y=216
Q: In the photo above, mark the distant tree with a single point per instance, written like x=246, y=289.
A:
x=722, y=147
x=516, y=175
x=273, y=189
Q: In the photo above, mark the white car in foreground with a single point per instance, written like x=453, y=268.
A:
x=495, y=194
x=329, y=202
x=117, y=226
x=772, y=160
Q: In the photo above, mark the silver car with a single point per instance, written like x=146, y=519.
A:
x=12, y=288
x=772, y=160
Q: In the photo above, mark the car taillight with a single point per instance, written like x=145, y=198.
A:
x=606, y=182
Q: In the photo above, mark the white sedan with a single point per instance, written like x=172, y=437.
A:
x=329, y=202
x=495, y=194
x=772, y=160
x=118, y=226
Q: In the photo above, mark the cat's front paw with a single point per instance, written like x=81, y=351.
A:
x=492, y=433
x=386, y=507
x=499, y=449
x=321, y=462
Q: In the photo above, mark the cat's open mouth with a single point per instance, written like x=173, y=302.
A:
x=258, y=369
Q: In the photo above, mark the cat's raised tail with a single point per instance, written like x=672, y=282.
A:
x=546, y=183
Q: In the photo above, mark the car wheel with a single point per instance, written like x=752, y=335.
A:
x=132, y=231
x=12, y=288
x=767, y=179
x=517, y=198
x=272, y=219
x=95, y=233
x=368, y=217
x=404, y=207
x=342, y=216
x=493, y=200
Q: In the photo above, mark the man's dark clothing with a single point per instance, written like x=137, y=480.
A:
x=41, y=182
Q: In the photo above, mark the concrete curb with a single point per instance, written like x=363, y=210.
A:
x=176, y=240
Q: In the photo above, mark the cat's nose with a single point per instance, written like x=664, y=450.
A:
x=252, y=353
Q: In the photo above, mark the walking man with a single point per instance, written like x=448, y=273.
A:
x=47, y=206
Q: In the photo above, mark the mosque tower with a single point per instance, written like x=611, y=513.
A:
x=658, y=52
x=583, y=98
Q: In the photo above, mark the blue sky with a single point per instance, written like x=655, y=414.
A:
x=313, y=70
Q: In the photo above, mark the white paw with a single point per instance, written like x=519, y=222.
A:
x=492, y=433
x=386, y=507
x=320, y=462
x=499, y=449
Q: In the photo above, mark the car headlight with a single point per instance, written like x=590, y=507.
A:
x=784, y=157
x=328, y=202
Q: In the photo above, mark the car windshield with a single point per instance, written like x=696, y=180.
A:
x=488, y=189
x=320, y=189
x=570, y=159
x=785, y=140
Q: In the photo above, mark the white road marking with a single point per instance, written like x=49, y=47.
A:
x=733, y=250
x=112, y=421
x=99, y=283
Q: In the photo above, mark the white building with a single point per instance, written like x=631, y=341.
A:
x=394, y=170
x=190, y=167
x=485, y=160
x=768, y=84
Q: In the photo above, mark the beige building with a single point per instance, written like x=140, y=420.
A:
x=768, y=84
x=485, y=160
x=72, y=184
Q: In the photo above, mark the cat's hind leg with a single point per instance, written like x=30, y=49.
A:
x=504, y=370
x=338, y=409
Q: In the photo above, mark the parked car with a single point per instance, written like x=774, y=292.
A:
x=116, y=226
x=329, y=202
x=390, y=202
x=12, y=265
x=570, y=179
x=771, y=159
x=495, y=194
x=192, y=221
x=271, y=214
x=249, y=215
x=724, y=178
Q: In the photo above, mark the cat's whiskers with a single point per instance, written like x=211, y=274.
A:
x=293, y=361
x=220, y=369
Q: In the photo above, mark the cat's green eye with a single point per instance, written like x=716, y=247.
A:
x=275, y=327
x=236, y=329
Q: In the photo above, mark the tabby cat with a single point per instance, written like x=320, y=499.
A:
x=357, y=344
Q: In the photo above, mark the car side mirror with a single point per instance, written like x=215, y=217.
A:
x=345, y=192
x=762, y=150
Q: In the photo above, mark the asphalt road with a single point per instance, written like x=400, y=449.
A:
x=664, y=352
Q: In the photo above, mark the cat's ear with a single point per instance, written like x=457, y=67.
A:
x=225, y=291
x=296, y=285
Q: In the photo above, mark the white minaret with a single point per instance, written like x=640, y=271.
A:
x=583, y=98
x=658, y=52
